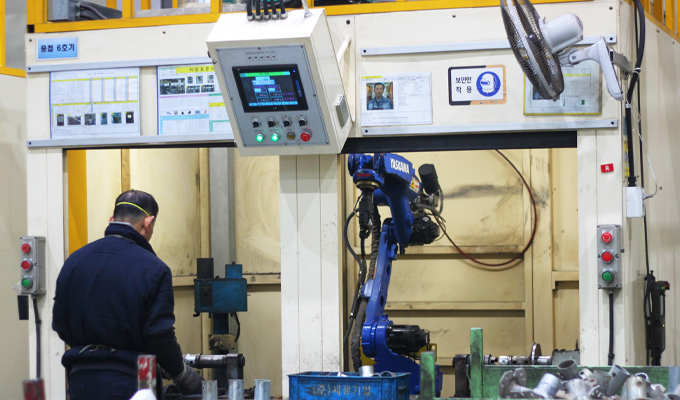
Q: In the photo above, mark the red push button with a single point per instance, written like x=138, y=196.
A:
x=607, y=237
x=26, y=265
x=607, y=256
x=25, y=247
x=305, y=136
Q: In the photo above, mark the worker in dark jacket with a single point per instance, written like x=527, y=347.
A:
x=113, y=301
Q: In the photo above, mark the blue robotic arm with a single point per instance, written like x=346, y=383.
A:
x=390, y=180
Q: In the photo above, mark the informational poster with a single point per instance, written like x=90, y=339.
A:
x=94, y=103
x=582, y=93
x=190, y=101
x=477, y=85
x=396, y=99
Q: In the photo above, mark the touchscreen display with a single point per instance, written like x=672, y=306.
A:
x=272, y=88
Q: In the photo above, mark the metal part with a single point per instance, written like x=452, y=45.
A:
x=366, y=370
x=562, y=355
x=619, y=376
x=236, y=389
x=512, y=385
x=70, y=10
x=342, y=109
x=577, y=389
x=147, y=62
x=635, y=388
x=492, y=127
x=262, y=389
x=602, y=379
x=199, y=140
x=568, y=370
x=461, y=363
x=215, y=361
x=548, y=386
x=209, y=390
x=32, y=265
x=222, y=342
x=463, y=46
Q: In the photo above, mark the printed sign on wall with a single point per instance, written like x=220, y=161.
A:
x=476, y=85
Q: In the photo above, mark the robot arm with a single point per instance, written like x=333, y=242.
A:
x=390, y=180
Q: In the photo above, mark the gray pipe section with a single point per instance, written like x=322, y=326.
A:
x=619, y=376
x=262, y=389
x=568, y=370
x=577, y=389
x=236, y=389
x=548, y=386
x=209, y=390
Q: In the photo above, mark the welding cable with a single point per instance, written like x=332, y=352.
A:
x=249, y=9
x=38, y=322
x=282, y=8
x=360, y=279
x=257, y=9
x=265, y=3
x=375, y=241
x=439, y=220
x=631, y=90
x=92, y=10
x=238, y=326
x=274, y=13
x=611, y=328
x=356, y=335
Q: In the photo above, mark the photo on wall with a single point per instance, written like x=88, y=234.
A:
x=379, y=96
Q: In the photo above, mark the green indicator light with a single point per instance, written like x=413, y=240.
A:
x=607, y=276
x=259, y=137
x=26, y=283
x=275, y=137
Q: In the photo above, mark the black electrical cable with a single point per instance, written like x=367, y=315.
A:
x=38, y=322
x=93, y=10
x=631, y=91
x=257, y=9
x=362, y=270
x=356, y=336
x=249, y=8
x=265, y=3
x=282, y=7
x=238, y=326
x=610, y=356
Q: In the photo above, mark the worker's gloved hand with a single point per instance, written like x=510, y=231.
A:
x=189, y=381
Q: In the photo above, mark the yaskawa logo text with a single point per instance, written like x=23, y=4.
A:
x=399, y=166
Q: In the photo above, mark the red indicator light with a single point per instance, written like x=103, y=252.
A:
x=607, y=256
x=25, y=247
x=26, y=265
x=305, y=137
x=607, y=237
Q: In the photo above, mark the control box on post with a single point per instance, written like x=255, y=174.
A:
x=281, y=84
x=609, y=256
x=32, y=265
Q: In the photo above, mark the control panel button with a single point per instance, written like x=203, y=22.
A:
x=305, y=136
x=607, y=256
x=27, y=282
x=607, y=276
x=271, y=122
x=26, y=247
x=26, y=265
x=607, y=237
x=302, y=121
x=256, y=123
x=259, y=137
x=290, y=135
x=275, y=137
x=286, y=122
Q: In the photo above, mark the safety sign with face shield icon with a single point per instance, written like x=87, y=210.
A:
x=477, y=85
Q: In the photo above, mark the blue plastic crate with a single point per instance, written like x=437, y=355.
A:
x=327, y=385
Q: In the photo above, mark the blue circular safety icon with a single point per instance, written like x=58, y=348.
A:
x=488, y=84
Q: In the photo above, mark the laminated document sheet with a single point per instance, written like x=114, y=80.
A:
x=396, y=99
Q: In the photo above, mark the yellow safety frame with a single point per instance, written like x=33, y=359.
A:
x=4, y=70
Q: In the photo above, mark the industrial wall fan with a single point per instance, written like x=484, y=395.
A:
x=541, y=47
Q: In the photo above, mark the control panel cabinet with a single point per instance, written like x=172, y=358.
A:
x=609, y=256
x=32, y=265
x=281, y=84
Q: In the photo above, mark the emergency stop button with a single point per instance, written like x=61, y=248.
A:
x=607, y=256
x=25, y=247
x=305, y=136
x=607, y=237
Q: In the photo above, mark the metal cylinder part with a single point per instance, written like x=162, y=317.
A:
x=619, y=376
x=548, y=386
x=568, y=370
x=577, y=389
x=236, y=389
x=656, y=392
x=209, y=390
x=262, y=389
x=366, y=371
x=603, y=379
x=146, y=372
x=635, y=388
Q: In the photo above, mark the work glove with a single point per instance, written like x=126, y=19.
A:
x=189, y=381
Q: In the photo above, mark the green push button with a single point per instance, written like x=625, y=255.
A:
x=26, y=282
x=607, y=276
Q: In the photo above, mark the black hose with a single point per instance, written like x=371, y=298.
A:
x=249, y=8
x=238, y=326
x=273, y=5
x=282, y=6
x=356, y=335
x=375, y=242
x=38, y=322
x=631, y=91
x=257, y=9
x=360, y=279
x=93, y=10
x=611, y=328
x=265, y=3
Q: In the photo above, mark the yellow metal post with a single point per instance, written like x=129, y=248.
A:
x=112, y=3
x=174, y=3
x=658, y=10
x=215, y=6
x=2, y=33
x=146, y=5
x=30, y=12
x=77, y=199
x=128, y=9
x=670, y=14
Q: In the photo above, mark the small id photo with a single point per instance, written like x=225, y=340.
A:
x=103, y=118
x=74, y=120
x=130, y=117
x=116, y=118
x=60, y=119
x=379, y=96
x=90, y=119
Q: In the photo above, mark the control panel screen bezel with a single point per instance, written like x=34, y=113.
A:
x=294, y=75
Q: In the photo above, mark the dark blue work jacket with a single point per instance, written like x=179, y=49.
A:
x=116, y=292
